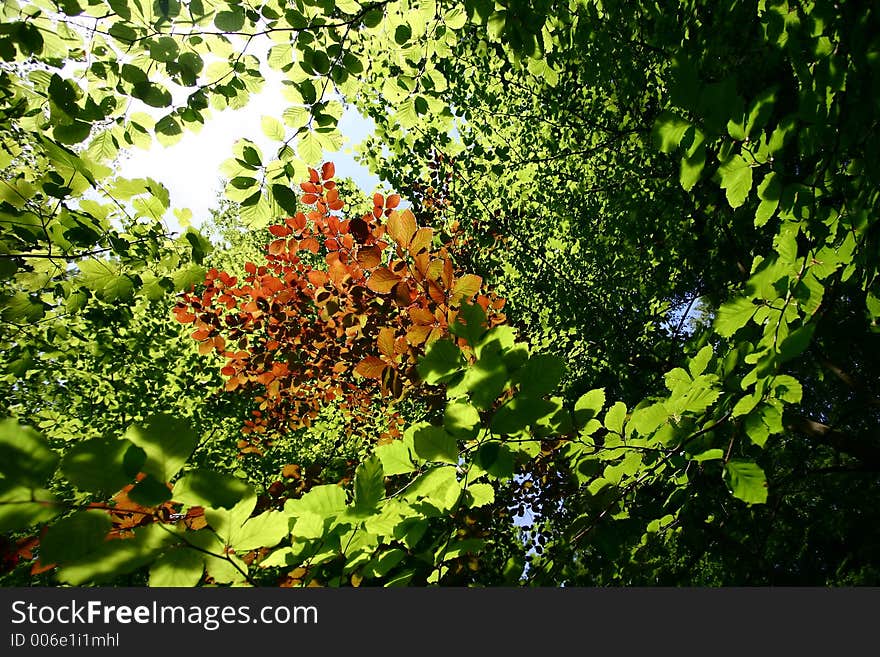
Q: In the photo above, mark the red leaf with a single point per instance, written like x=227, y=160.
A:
x=360, y=229
x=280, y=231
x=402, y=294
x=328, y=171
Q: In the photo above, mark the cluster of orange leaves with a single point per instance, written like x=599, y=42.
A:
x=341, y=309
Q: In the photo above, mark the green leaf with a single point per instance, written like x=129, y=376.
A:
x=150, y=491
x=264, y=530
x=25, y=456
x=647, y=420
x=697, y=364
x=541, y=374
x=461, y=419
x=746, y=481
x=179, y=567
x=769, y=191
x=309, y=149
x=455, y=18
x=438, y=487
x=114, y=558
x=23, y=506
x=435, y=444
x=757, y=431
x=669, y=128
x=325, y=500
x=396, y=458
x=708, y=455
x=285, y=197
x=485, y=380
x=168, y=443
x=733, y=315
x=230, y=21
x=480, y=494
x=496, y=459
x=736, y=180
x=75, y=536
x=588, y=406
x=272, y=128
x=441, y=361
x=209, y=488
x=691, y=167
x=102, y=465
x=369, y=484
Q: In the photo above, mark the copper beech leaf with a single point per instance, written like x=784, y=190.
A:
x=383, y=280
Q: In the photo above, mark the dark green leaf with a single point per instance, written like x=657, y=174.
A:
x=25, y=456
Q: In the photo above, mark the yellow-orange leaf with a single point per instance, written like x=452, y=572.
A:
x=466, y=287
x=402, y=226
x=421, y=241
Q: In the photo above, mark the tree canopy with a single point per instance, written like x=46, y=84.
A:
x=614, y=321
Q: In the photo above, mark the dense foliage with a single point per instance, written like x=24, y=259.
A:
x=677, y=202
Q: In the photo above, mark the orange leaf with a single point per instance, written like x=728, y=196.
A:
x=332, y=195
x=401, y=227
x=291, y=471
x=299, y=221
x=309, y=187
x=337, y=204
x=309, y=199
x=466, y=287
x=402, y=294
x=328, y=170
x=378, y=200
x=205, y=347
x=201, y=334
x=392, y=202
x=369, y=257
x=310, y=244
x=277, y=247
x=317, y=278
x=382, y=280
x=371, y=367
x=280, y=231
x=386, y=341
x=437, y=295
